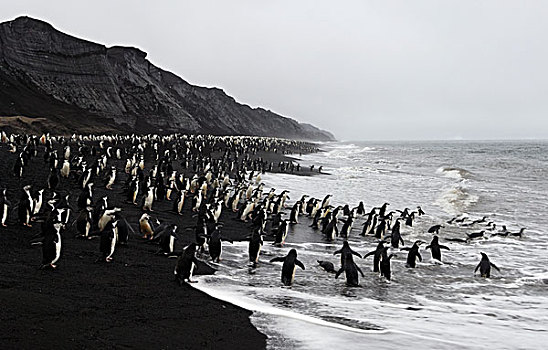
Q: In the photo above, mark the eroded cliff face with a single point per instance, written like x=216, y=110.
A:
x=82, y=85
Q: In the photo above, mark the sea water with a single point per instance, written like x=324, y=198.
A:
x=440, y=305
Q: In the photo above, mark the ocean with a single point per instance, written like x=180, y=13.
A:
x=436, y=305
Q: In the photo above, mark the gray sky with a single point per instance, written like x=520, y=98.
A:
x=364, y=70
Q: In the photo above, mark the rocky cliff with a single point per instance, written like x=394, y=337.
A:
x=53, y=80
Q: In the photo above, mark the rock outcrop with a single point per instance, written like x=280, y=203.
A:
x=76, y=85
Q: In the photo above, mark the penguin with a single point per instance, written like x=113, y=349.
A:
x=327, y=266
x=485, y=266
x=395, y=237
x=377, y=253
x=179, y=202
x=281, y=233
x=166, y=238
x=420, y=211
x=385, y=268
x=344, y=251
x=196, y=201
x=475, y=234
x=106, y=218
x=5, y=206
x=111, y=177
x=107, y=244
x=435, y=248
x=51, y=247
x=331, y=229
x=53, y=179
x=290, y=263
x=413, y=254
x=85, y=197
x=37, y=202
x=148, y=199
x=435, y=229
x=351, y=271
x=122, y=229
x=360, y=210
x=293, y=216
x=326, y=201
x=65, y=169
x=347, y=227
x=26, y=207
x=144, y=226
x=84, y=222
x=215, y=244
x=185, y=264
x=255, y=246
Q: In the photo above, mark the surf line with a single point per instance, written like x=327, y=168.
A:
x=254, y=306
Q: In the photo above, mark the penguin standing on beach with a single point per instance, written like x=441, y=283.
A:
x=290, y=263
x=5, y=206
x=84, y=221
x=255, y=246
x=26, y=206
x=107, y=244
x=281, y=233
x=51, y=246
x=185, y=264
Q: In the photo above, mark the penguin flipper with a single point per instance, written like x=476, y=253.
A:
x=369, y=254
x=339, y=272
x=337, y=252
x=494, y=266
x=356, y=253
x=428, y=247
x=299, y=264
x=279, y=258
x=360, y=270
x=444, y=247
x=419, y=256
x=477, y=267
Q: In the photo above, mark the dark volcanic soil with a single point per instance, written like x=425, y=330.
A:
x=132, y=302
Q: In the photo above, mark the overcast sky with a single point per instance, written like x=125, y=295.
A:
x=364, y=70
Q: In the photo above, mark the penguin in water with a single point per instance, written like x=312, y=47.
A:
x=377, y=253
x=185, y=265
x=290, y=263
x=344, y=251
x=395, y=237
x=413, y=254
x=351, y=271
x=5, y=206
x=435, y=229
x=485, y=266
x=255, y=246
x=327, y=266
x=51, y=246
x=385, y=264
x=435, y=248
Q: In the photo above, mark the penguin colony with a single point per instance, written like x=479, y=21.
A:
x=207, y=177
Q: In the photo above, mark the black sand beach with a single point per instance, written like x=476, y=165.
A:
x=132, y=302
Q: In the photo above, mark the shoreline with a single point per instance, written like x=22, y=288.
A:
x=131, y=302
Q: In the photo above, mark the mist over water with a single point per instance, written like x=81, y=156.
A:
x=437, y=305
